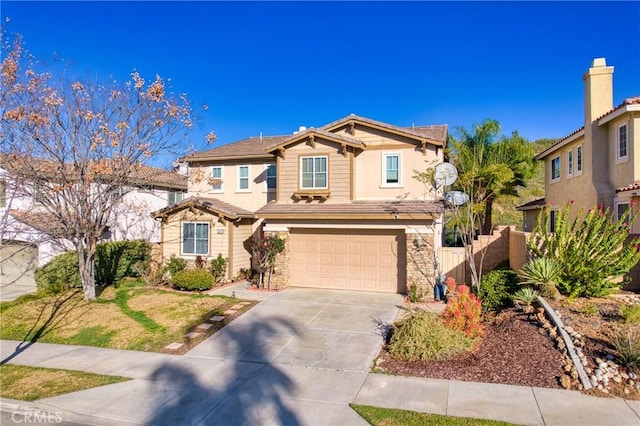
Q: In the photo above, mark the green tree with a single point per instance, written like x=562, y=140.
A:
x=490, y=165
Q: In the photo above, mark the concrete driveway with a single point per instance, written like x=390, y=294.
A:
x=299, y=357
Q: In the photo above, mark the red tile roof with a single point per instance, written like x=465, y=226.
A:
x=631, y=187
x=538, y=203
x=629, y=101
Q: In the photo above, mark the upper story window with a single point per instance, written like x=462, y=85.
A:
x=579, y=159
x=570, y=163
x=243, y=178
x=313, y=172
x=174, y=197
x=195, y=238
x=391, y=164
x=555, y=168
x=621, y=145
x=622, y=211
x=271, y=177
x=216, y=178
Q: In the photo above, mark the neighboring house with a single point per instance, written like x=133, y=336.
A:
x=600, y=162
x=30, y=237
x=342, y=196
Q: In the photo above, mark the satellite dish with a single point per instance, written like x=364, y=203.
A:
x=445, y=174
x=456, y=198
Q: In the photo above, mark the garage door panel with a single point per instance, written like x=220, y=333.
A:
x=345, y=259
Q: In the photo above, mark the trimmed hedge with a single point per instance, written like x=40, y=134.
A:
x=193, y=280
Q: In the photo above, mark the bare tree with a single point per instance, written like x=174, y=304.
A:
x=76, y=147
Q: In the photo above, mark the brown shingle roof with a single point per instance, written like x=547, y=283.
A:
x=253, y=146
x=40, y=221
x=538, y=203
x=313, y=131
x=154, y=176
x=357, y=209
x=436, y=133
x=631, y=187
x=212, y=205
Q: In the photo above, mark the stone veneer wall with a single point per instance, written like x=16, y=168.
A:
x=420, y=263
x=282, y=271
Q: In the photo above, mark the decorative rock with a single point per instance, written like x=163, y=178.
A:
x=574, y=374
x=193, y=335
x=600, y=387
x=598, y=361
x=603, y=365
x=627, y=391
x=237, y=306
x=565, y=381
x=610, y=357
x=632, y=376
x=617, y=379
x=584, y=363
x=217, y=318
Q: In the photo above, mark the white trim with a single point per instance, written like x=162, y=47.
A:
x=238, y=168
x=625, y=157
x=551, y=178
x=266, y=178
x=384, y=183
x=182, y=223
x=553, y=148
x=579, y=171
x=621, y=202
x=326, y=157
x=212, y=189
x=618, y=113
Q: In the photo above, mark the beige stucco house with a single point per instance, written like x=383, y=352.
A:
x=342, y=196
x=598, y=163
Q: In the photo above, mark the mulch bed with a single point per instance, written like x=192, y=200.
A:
x=512, y=351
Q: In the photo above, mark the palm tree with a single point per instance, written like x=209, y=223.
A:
x=490, y=165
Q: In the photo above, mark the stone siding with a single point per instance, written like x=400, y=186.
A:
x=420, y=263
x=282, y=271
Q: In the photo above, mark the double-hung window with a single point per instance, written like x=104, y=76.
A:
x=579, y=159
x=621, y=145
x=313, y=172
x=216, y=178
x=174, y=197
x=570, y=163
x=270, y=179
x=391, y=170
x=195, y=238
x=622, y=212
x=243, y=178
x=555, y=168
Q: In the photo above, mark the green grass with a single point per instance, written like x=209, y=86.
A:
x=377, y=416
x=32, y=383
x=129, y=317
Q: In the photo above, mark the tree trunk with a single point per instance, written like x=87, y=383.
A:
x=487, y=223
x=86, y=258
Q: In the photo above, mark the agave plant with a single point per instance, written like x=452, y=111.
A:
x=542, y=273
x=525, y=297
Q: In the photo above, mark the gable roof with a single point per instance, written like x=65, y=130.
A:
x=436, y=134
x=209, y=205
x=538, y=203
x=311, y=133
x=252, y=147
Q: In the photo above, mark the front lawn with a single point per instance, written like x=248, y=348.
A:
x=377, y=416
x=32, y=383
x=134, y=318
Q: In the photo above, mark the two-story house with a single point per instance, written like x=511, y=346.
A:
x=598, y=163
x=29, y=236
x=342, y=196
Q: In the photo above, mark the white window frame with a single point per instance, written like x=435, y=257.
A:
x=557, y=178
x=176, y=195
x=195, y=238
x=579, y=159
x=239, y=179
x=213, y=188
x=266, y=177
x=624, y=157
x=627, y=212
x=385, y=183
x=570, y=163
x=314, y=186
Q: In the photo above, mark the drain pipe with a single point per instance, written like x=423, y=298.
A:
x=571, y=349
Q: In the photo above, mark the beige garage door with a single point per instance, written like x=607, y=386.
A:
x=348, y=259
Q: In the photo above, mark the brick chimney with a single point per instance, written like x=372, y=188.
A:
x=598, y=90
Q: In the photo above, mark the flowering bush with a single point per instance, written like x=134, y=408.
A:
x=464, y=312
x=592, y=252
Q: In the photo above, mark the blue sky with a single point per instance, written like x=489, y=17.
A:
x=271, y=67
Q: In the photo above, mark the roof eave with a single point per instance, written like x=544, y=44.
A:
x=398, y=132
x=227, y=157
x=348, y=216
x=572, y=138
x=617, y=113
